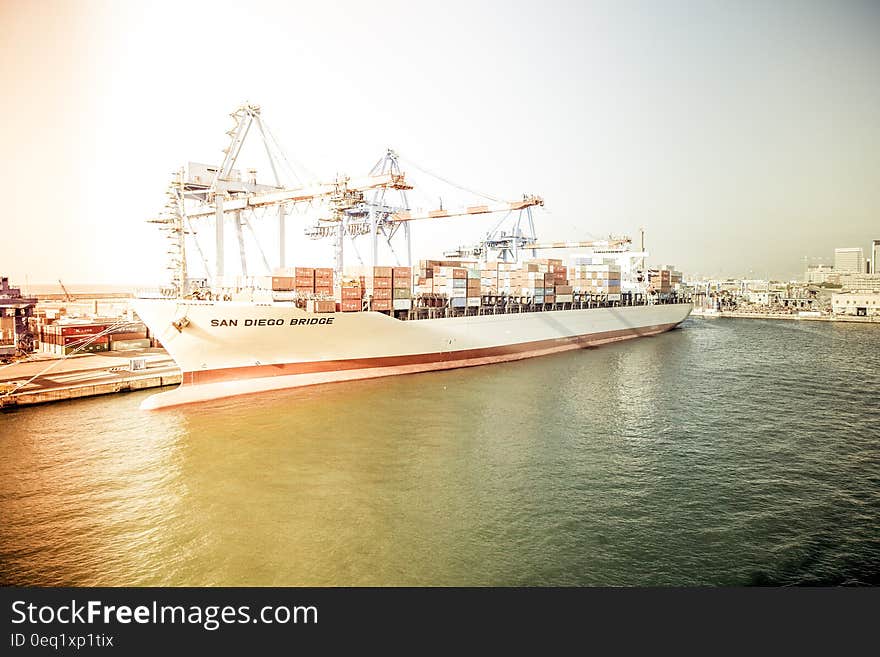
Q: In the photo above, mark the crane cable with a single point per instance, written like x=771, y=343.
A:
x=449, y=182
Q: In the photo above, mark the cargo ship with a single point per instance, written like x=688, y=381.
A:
x=302, y=326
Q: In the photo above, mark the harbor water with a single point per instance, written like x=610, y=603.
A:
x=726, y=452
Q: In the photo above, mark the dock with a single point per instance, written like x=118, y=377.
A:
x=804, y=318
x=58, y=379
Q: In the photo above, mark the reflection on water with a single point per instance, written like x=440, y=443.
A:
x=728, y=452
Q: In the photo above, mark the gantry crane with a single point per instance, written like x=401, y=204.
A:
x=358, y=207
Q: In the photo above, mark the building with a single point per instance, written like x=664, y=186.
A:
x=849, y=260
x=818, y=274
x=763, y=297
x=15, y=311
x=875, y=256
x=863, y=304
x=860, y=282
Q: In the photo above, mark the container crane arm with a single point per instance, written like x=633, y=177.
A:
x=504, y=206
x=389, y=180
x=610, y=243
x=67, y=296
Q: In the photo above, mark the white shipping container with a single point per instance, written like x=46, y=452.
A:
x=458, y=302
x=473, y=301
x=564, y=298
x=402, y=304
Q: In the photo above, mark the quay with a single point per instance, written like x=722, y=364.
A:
x=874, y=319
x=49, y=379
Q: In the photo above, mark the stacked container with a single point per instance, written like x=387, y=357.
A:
x=379, y=288
x=352, y=293
x=473, y=287
x=601, y=279
x=660, y=280
x=324, y=281
x=304, y=280
x=453, y=282
x=401, y=288
x=489, y=278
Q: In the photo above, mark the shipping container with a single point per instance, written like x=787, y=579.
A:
x=282, y=283
x=382, y=272
x=350, y=305
x=320, y=306
x=402, y=304
x=352, y=293
x=381, y=304
x=128, y=345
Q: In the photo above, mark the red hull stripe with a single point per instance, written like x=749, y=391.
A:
x=437, y=360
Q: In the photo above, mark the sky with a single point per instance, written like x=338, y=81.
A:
x=743, y=136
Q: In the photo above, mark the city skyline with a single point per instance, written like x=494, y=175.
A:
x=741, y=136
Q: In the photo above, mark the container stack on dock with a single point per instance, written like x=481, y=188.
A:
x=66, y=336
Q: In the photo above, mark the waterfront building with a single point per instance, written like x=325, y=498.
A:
x=875, y=256
x=863, y=304
x=15, y=310
x=860, y=282
x=850, y=260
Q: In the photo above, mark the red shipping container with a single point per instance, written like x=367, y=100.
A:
x=401, y=272
x=380, y=304
x=323, y=272
x=305, y=281
x=382, y=272
x=351, y=293
x=89, y=329
x=304, y=272
x=305, y=290
x=350, y=305
x=382, y=293
x=384, y=282
x=82, y=339
x=282, y=283
x=324, y=290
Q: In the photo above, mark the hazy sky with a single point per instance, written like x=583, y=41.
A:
x=742, y=135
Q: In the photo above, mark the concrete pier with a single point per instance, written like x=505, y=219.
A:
x=59, y=379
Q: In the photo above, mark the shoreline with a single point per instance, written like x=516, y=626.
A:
x=823, y=318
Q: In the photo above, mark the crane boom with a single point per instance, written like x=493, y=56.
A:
x=506, y=206
x=390, y=180
x=67, y=296
x=608, y=244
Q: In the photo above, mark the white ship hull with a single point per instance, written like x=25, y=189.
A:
x=232, y=348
